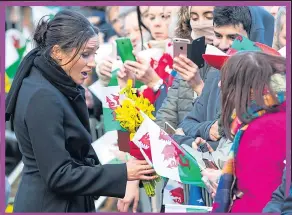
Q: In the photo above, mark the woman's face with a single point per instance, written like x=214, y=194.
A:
x=282, y=34
x=114, y=19
x=159, y=20
x=80, y=67
x=132, y=28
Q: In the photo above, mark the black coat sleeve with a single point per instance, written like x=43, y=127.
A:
x=45, y=120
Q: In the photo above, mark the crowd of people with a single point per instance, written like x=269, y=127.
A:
x=238, y=111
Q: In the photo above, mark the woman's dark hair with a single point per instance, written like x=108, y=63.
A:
x=141, y=24
x=68, y=29
x=232, y=15
x=245, y=72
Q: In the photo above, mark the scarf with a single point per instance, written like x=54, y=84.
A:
x=227, y=190
x=204, y=29
x=56, y=76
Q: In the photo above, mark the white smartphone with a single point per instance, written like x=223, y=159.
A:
x=169, y=129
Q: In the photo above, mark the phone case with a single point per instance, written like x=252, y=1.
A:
x=196, y=51
x=180, y=46
x=209, y=164
x=169, y=129
x=125, y=49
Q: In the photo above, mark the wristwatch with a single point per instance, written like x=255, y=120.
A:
x=158, y=84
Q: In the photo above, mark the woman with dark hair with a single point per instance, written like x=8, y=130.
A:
x=253, y=88
x=47, y=107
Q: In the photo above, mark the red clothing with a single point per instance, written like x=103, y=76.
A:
x=259, y=162
x=165, y=60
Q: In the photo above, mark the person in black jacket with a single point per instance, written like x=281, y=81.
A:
x=47, y=106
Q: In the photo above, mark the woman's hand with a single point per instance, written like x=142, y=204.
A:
x=132, y=195
x=200, y=140
x=214, y=132
x=179, y=131
x=142, y=71
x=139, y=169
x=105, y=69
x=189, y=72
x=213, y=176
x=214, y=190
x=123, y=76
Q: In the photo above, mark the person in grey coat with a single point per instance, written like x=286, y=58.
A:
x=46, y=104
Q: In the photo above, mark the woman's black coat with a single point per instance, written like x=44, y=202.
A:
x=61, y=170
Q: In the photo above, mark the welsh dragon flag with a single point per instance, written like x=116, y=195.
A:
x=111, y=100
x=173, y=193
x=168, y=158
x=15, y=47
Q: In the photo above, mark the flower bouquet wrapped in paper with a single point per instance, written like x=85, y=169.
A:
x=130, y=118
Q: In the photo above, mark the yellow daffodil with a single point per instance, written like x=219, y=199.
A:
x=128, y=114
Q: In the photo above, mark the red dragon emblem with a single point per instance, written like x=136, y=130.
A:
x=16, y=42
x=178, y=194
x=145, y=141
x=113, y=103
x=172, y=152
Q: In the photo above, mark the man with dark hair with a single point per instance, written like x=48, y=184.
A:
x=228, y=22
x=252, y=22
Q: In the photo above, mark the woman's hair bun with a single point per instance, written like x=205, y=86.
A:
x=40, y=32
